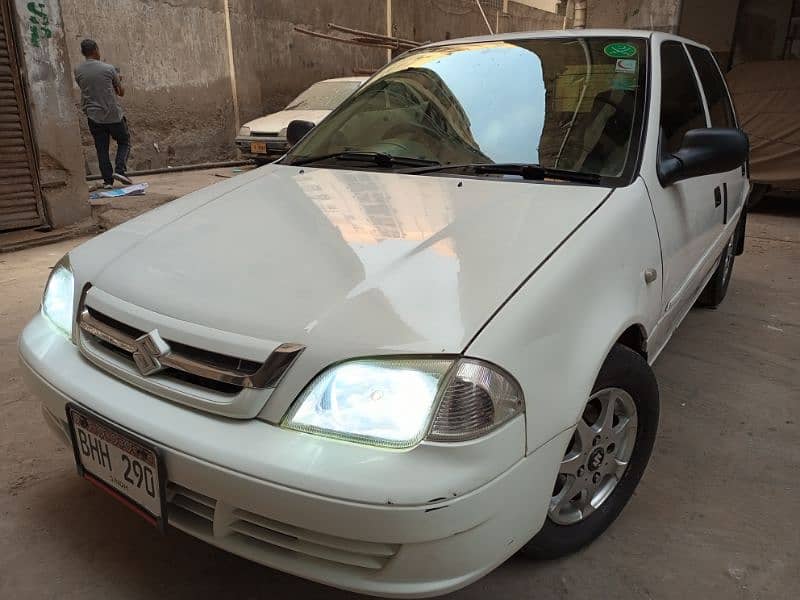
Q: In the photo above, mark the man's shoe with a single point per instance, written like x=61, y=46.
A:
x=108, y=186
x=123, y=179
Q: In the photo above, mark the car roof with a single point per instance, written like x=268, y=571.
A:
x=656, y=36
x=357, y=79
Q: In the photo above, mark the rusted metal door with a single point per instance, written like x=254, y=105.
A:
x=20, y=195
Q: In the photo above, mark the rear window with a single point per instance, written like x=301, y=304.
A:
x=681, y=105
x=325, y=95
x=719, y=105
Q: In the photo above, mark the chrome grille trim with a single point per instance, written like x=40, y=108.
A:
x=266, y=376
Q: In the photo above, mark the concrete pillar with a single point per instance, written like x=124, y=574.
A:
x=580, y=15
x=53, y=111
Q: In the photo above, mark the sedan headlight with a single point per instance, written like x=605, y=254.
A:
x=244, y=131
x=282, y=132
x=396, y=402
x=59, y=295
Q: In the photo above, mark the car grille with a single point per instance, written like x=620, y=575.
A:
x=250, y=534
x=264, y=133
x=228, y=385
x=226, y=373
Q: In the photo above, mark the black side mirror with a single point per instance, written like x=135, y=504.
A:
x=297, y=130
x=703, y=152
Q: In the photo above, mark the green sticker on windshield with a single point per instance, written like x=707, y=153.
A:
x=620, y=50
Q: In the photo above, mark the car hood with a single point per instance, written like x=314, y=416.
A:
x=276, y=121
x=362, y=262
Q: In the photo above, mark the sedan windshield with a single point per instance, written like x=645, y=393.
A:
x=325, y=95
x=567, y=104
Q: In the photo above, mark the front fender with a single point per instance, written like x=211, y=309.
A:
x=555, y=332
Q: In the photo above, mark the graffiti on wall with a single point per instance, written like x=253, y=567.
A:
x=39, y=22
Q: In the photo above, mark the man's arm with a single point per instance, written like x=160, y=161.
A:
x=117, y=83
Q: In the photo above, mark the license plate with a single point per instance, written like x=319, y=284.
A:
x=258, y=147
x=119, y=463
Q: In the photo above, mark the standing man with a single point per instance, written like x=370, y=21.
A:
x=100, y=85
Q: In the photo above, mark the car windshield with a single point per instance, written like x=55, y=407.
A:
x=573, y=104
x=325, y=95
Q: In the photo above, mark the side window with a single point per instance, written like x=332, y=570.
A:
x=681, y=105
x=719, y=105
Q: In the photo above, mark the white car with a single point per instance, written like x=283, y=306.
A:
x=422, y=341
x=264, y=138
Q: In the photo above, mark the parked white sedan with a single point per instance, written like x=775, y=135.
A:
x=422, y=342
x=264, y=138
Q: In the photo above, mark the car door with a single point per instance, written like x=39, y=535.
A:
x=733, y=184
x=688, y=213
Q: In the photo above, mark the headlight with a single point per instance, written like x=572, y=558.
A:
x=58, y=298
x=282, y=132
x=396, y=402
x=244, y=131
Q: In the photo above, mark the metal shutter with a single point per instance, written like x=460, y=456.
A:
x=20, y=197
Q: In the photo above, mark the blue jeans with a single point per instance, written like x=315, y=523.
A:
x=102, y=134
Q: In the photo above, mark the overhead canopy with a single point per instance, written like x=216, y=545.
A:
x=767, y=99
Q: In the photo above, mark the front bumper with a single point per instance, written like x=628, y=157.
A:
x=273, y=146
x=405, y=549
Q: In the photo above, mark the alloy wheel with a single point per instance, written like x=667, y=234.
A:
x=597, y=456
x=728, y=259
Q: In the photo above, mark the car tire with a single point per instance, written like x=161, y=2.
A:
x=756, y=195
x=716, y=288
x=624, y=373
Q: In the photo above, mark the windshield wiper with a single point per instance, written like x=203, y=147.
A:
x=382, y=159
x=530, y=171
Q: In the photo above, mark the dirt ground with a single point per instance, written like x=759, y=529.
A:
x=716, y=515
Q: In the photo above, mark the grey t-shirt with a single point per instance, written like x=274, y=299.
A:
x=98, y=98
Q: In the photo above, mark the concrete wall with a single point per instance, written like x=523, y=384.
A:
x=52, y=112
x=659, y=15
x=434, y=20
x=548, y=5
x=172, y=55
x=761, y=30
x=274, y=63
x=696, y=22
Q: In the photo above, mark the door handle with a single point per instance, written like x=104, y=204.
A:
x=717, y=197
x=725, y=199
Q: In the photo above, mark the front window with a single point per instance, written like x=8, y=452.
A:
x=572, y=104
x=325, y=95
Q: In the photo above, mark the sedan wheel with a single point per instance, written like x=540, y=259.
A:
x=605, y=458
x=717, y=287
x=597, y=456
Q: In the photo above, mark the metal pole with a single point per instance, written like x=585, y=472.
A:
x=388, y=28
x=676, y=29
x=483, y=14
x=231, y=67
x=586, y=81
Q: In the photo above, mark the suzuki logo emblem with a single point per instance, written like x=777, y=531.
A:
x=149, y=349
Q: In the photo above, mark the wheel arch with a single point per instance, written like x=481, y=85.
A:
x=635, y=338
x=556, y=332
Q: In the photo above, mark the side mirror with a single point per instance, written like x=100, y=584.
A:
x=703, y=152
x=297, y=130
